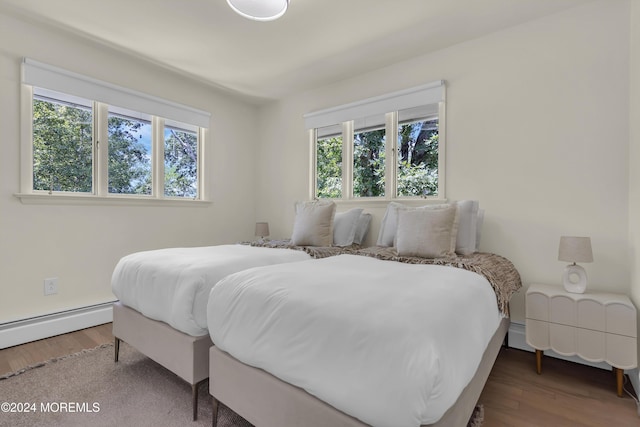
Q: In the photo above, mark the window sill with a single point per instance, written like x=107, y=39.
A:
x=76, y=199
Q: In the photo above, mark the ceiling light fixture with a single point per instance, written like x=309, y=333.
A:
x=259, y=10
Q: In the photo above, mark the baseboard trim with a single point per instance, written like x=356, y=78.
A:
x=517, y=339
x=36, y=328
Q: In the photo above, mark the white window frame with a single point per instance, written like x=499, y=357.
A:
x=36, y=74
x=388, y=104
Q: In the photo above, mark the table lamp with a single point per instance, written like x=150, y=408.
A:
x=575, y=249
x=262, y=229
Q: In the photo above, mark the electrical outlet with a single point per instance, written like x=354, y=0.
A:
x=51, y=286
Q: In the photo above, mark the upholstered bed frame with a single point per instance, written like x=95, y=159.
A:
x=267, y=401
x=182, y=354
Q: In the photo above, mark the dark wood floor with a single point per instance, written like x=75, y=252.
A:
x=566, y=394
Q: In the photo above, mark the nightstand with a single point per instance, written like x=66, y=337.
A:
x=598, y=327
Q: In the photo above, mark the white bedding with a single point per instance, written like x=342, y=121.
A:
x=391, y=344
x=172, y=285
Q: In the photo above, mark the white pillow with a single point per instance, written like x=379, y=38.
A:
x=468, y=231
x=313, y=225
x=344, y=226
x=388, y=226
x=427, y=232
x=479, y=223
x=362, y=228
x=467, y=226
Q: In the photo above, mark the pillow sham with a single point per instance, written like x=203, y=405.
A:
x=466, y=241
x=362, y=228
x=313, y=225
x=389, y=225
x=345, y=225
x=427, y=232
x=467, y=227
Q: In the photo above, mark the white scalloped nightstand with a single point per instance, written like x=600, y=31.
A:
x=598, y=327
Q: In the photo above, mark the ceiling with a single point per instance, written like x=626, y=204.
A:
x=315, y=43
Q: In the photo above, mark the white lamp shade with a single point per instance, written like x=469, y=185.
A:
x=262, y=229
x=575, y=249
x=259, y=10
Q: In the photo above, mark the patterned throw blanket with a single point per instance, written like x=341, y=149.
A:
x=313, y=251
x=499, y=271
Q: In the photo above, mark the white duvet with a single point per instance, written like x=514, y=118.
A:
x=172, y=285
x=391, y=344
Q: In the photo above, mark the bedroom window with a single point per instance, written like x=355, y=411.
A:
x=62, y=142
x=329, y=161
x=369, y=141
x=130, y=151
x=180, y=160
x=418, y=152
x=395, y=151
x=79, y=140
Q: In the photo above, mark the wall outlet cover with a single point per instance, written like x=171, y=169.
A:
x=51, y=286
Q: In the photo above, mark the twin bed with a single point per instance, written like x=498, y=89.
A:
x=382, y=336
x=163, y=296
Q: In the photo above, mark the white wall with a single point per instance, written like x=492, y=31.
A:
x=537, y=130
x=80, y=244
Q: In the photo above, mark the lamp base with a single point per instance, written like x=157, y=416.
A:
x=574, y=279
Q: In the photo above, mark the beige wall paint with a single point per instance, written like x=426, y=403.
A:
x=537, y=130
x=80, y=244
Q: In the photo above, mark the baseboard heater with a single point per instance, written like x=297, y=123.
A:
x=49, y=325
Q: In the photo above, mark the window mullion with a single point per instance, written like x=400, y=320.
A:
x=157, y=153
x=391, y=152
x=101, y=148
x=347, y=160
x=200, y=195
x=313, y=170
x=441, y=148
